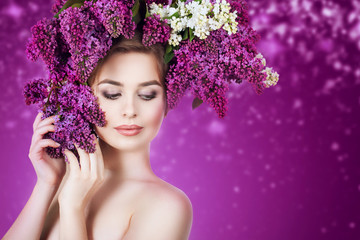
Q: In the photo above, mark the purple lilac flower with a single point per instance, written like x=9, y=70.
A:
x=81, y=97
x=87, y=38
x=214, y=63
x=202, y=75
x=43, y=42
x=76, y=118
x=241, y=7
x=155, y=30
x=57, y=6
x=177, y=79
x=237, y=56
x=35, y=91
x=163, y=2
x=116, y=16
x=211, y=89
x=48, y=43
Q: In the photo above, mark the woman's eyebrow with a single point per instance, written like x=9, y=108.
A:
x=116, y=83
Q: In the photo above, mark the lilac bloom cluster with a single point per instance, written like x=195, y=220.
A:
x=76, y=118
x=86, y=36
x=35, y=91
x=197, y=68
x=116, y=17
x=163, y=2
x=57, y=6
x=208, y=66
x=77, y=112
x=155, y=30
x=43, y=43
x=241, y=7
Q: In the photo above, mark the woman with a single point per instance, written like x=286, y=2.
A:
x=113, y=193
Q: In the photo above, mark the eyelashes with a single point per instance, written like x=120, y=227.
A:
x=115, y=96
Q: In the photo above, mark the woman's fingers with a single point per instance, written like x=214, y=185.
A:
x=47, y=143
x=42, y=144
x=97, y=163
x=74, y=165
x=40, y=132
x=46, y=121
x=100, y=160
x=84, y=161
x=37, y=120
x=91, y=164
x=43, y=126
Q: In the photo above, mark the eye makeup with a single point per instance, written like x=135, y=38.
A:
x=145, y=97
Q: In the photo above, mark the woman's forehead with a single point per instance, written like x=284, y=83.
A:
x=130, y=68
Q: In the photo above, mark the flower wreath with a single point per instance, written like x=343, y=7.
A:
x=208, y=43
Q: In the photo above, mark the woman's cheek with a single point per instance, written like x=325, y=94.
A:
x=157, y=115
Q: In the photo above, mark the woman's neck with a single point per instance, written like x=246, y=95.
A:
x=127, y=165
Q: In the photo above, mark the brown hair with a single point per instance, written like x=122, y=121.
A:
x=122, y=45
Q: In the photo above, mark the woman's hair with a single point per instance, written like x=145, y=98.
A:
x=122, y=45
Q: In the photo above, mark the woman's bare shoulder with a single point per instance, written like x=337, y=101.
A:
x=162, y=191
x=163, y=205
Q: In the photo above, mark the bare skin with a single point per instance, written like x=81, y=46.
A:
x=112, y=207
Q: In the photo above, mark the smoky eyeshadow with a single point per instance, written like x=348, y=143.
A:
x=110, y=95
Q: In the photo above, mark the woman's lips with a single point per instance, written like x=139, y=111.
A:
x=128, y=132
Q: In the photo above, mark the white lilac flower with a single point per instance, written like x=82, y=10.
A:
x=272, y=77
x=263, y=61
x=169, y=11
x=195, y=15
x=177, y=25
x=175, y=39
x=156, y=9
x=183, y=11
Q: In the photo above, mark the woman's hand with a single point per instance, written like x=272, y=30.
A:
x=49, y=171
x=84, y=180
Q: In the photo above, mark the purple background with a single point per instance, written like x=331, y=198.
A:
x=282, y=165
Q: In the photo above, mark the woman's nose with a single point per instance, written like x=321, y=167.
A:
x=129, y=108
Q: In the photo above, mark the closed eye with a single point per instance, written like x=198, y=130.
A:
x=115, y=96
x=111, y=96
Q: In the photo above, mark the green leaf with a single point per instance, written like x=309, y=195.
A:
x=185, y=35
x=135, y=8
x=168, y=48
x=191, y=32
x=69, y=3
x=147, y=12
x=176, y=14
x=76, y=5
x=169, y=56
x=196, y=103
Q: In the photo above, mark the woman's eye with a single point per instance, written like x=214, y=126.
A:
x=111, y=96
x=148, y=97
x=115, y=96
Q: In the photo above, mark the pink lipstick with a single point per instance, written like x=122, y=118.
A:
x=129, y=130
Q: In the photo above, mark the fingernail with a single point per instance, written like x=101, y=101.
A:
x=57, y=144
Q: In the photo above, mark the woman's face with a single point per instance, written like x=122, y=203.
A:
x=130, y=92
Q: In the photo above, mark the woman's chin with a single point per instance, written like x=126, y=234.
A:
x=128, y=144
